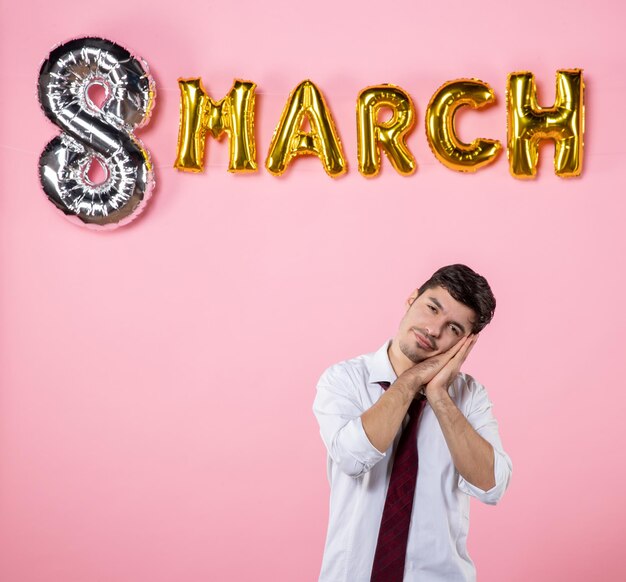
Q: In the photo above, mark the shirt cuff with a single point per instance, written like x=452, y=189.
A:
x=502, y=474
x=354, y=453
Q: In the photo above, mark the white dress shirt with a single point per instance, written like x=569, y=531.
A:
x=359, y=476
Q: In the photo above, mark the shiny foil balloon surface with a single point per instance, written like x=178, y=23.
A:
x=233, y=115
x=441, y=131
x=528, y=124
x=93, y=132
x=390, y=135
x=290, y=140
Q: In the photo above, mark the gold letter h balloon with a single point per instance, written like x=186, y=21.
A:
x=528, y=124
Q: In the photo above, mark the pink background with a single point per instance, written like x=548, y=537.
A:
x=156, y=382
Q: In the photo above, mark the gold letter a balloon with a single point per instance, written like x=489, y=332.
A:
x=289, y=140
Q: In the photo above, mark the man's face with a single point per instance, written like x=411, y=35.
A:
x=433, y=323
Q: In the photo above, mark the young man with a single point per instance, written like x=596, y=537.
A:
x=409, y=439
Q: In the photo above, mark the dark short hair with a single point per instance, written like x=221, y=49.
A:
x=467, y=287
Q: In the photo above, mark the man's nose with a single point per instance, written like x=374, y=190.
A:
x=433, y=330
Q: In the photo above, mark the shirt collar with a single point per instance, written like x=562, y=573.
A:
x=380, y=367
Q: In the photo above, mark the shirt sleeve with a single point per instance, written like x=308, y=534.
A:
x=480, y=416
x=338, y=410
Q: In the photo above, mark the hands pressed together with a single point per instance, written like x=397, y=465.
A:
x=434, y=375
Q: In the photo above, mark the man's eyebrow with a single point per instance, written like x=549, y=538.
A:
x=460, y=326
x=436, y=302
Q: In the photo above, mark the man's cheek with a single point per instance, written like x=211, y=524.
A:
x=454, y=342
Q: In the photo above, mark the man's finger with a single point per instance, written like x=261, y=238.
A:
x=448, y=358
x=457, y=360
x=455, y=349
x=462, y=354
x=434, y=365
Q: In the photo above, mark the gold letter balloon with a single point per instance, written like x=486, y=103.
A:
x=440, y=128
x=233, y=115
x=390, y=135
x=289, y=140
x=528, y=124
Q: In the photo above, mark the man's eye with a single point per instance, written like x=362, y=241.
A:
x=455, y=330
x=433, y=309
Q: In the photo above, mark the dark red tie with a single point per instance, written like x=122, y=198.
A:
x=394, y=527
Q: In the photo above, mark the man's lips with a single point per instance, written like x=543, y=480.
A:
x=423, y=342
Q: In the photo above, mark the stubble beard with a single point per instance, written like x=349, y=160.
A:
x=410, y=352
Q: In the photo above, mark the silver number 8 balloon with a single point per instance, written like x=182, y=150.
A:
x=93, y=132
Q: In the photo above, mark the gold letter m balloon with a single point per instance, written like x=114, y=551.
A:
x=528, y=124
x=233, y=115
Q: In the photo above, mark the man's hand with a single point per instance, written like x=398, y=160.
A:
x=437, y=386
x=439, y=370
x=473, y=456
x=382, y=421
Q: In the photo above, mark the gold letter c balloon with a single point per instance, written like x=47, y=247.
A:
x=440, y=129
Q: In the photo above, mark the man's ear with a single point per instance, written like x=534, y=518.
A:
x=412, y=297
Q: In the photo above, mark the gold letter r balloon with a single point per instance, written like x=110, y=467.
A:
x=390, y=135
